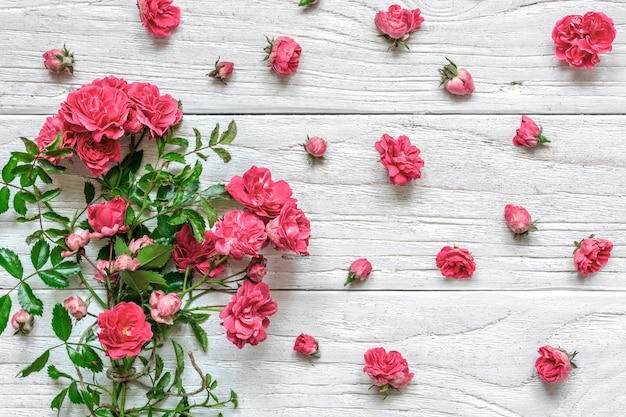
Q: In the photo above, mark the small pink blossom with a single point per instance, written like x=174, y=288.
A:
x=529, y=134
x=59, y=60
x=554, y=364
x=592, y=254
x=360, y=270
x=316, y=147
x=306, y=345
x=75, y=241
x=457, y=81
x=135, y=245
x=257, y=268
x=22, y=321
x=76, y=307
x=397, y=24
x=518, y=219
x=107, y=219
x=239, y=233
x=386, y=369
x=222, y=71
x=283, y=55
x=455, y=262
x=291, y=230
x=164, y=306
x=125, y=262
x=106, y=269
x=401, y=158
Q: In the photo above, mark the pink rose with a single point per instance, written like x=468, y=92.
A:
x=222, y=71
x=135, y=245
x=591, y=254
x=528, y=134
x=518, y=219
x=600, y=32
x=76, y=241
x=400, y=157
x=397, y=23
x=246, y=316
x=306, y=345
x=291, y=230
x=256, y=268
x=359, y=270
x=123, y=330
x=457, y=81
x=111, y=81
x=59, y=60
x=315, y=146
x=455, y=262
x=153, y=110
x=107, y=219
x=386, y=369
x=96, y=156
x=48, y=134
x=283, y=55
x=106, y=269
x=239, y=233
x=22, y=321
x=257, y=192
x=125, y=262
x=159, y=17
x=164, y=306
x=554, y=364
x=76, y=307
x=200, y=256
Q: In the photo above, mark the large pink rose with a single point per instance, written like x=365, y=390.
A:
x=592, y=254
x=257, y=192
x=291, y=230
x=455, y=262
x=200, y=256
x=97, y=155
x=398, y=23
x=580, y=39
x=107, y=219
x=159, y=17
x=386, y=368
x=400, y=157
x=239, y=233
x=123, y=330
x=284, y=54
x=599, y=32
x=103, y=111
x=153, y=110
x=245, y=317
x=553, y=364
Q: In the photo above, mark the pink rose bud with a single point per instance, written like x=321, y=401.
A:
x=397, y=24
x=256, y=268
x=591, y=254
x=529, y=134
x=222, y=70
x=164, y=306
x=135, y=245
x=106, y=268
x=306, y=345
x=456, y=263
x=59, y=60
x=126, y=263
x=554, y=364
x=316, y=147
x=76, y=307
x=359, y=271
x=518, y=219
x=283, y=55
x=22, y=322
x=76, y=241
x=457, y=81
x=308, y=2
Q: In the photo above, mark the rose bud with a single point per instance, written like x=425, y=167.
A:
x=126, y=263
x=386, y=369
x=591, y=254
x=529, y=134
x=135, y=245
x=256, y=268
x=163, y=306
x=106, y=269
x=457, y=81
x=316, y=148
x=554, y=364
x=76, y=307
x=76, y=241
x=308, y=2
x=306, y=345
x=518, y=219
x=22, y=322
x=455, y=262
x=359, y=271
x=59, y=60
x=283, y=55
x=222, y=70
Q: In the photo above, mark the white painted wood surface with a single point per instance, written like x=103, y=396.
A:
x=472, y=344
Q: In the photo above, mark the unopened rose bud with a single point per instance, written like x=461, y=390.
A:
x=529, y=134
x=359, y=270
x=76, y=307
x=22, y=322
x=316, y=147
x=222, y=70
x=126, y=263
x=135, y=245
x=306, y=345
x=164, y=306
x=59, y=60
x=106, y=268
x=518, y=219
x=457, y=81
x=257, y=268
x=75, y=241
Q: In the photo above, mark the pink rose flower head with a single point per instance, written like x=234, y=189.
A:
x=106, y=269
x=518, y=219
x=257, y=192
x=591, y=254
x=306, y=345
x=155, y=111
x=135, y=245
x=315, y=147
x=48, y=135
x=164, y=306
x=76, y=307
x=455, y=262
x=308, y=2
x=580, y=39
x=401, y=158
x=397, y=24
x=283, y=55
x=291, y=230
x=386, y=369
x=22, y=321
x=96, y=156
x=457, y=81
x=222, y=71
x=123, y=330
x=201, y=257
x=245, y=318
x=257, y=268
x=159, y=17
x=76, y=241
x=554, y=364
x=59, y=60
x=529, y=134
x=359, y=271
x=125, y=262
x=239, y=233
x=107, y=219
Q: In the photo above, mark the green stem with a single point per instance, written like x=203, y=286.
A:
x=91, y=290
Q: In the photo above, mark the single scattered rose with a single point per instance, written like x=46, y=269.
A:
x=454, y=262
x=159, y=17
x=306, y=345
x=397, y=24
x=554, y=364
x=283, y=55
x=107, y=219
x=580, y=39
x=457, y=81
x=386, y=369
x=308, y=2
x=164, y=306
x=518, y=219
x=222, y=71
x=529, y=134
x=76, y=307
x=360, y=270
x=315, y=147
x=22, y=321
x=401, y=158
x=59, y=60
x=123, y=330
x=591, y=254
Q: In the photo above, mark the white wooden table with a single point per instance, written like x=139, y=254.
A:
x=471, y=343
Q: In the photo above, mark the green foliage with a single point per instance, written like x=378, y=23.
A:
x=5, y=311
x=11, y=263
x=37, y=365
x=61, y=322
x=28, y=300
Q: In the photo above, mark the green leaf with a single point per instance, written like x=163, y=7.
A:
x=75, y=357
x=180, y=358
x=210, y=212
x=5, y=194
x=40, y=253
x=140, y=280
x=164, y=381
x=31, y=147
x=5, y=311
x=28, y=301
x=155, y=256
x=174, y=157
x=55, y=374
x=57, y=232
x=74, y=394
x=60, y=153
x=90, y=192
x=50, y=215
x=198, y=138
x=91, y=336
x=103, y=412
x=61, y=322
x=92, y=359
x=113, y=176
x=197, y=223
x=7, y=174
x=179, y=142
x=214, y=135
x=50, y=194
x=42, y=174
x=121, y=247
x=200, y=335
x=36, y=366
x=19, y=204
x=222, y=153
x=87, y=399
x=228, y=136
x=22, y=157
x=48, y=166
x=158, y=367
x=11, y=263
x=68, y=268
x=53, y=279
x=57, y=402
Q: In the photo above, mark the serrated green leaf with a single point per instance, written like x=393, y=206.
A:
x=103, y=412
x=74, y=394
x=155, y=256
x=55, y=374
x=31, y=147
x=5, y=311
x=174, y=157
x=40, y=253
x=214, y=135
x=60, y=153
x=197, y=223
x=11, y=263
x=55, y=255
x=57, y=402
x=222, y=153
x=48, y=166
x=53, y=279
x=89, y=191
x=91, y=336
x=57, y=141
x=68, y=268
x=179, y=142
x=50, y=215
x=88, y=400
x=198, y=138
x=121, y=248
x=229, y=135
x=45, y=178
x=140, y=280
x=112, y=177
x=28, y=300
x=7, y=174
x=210, y=212
x=75, y=357
x=92, y=359
x=61, y=322
x=50, y=194
x=164, y=381
x=36, y=366
x=56, y=232
x=180, y=359
x=158, y=367
x=19, y=205
x=23, y=157
x=200, y=335
x=5, y=194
